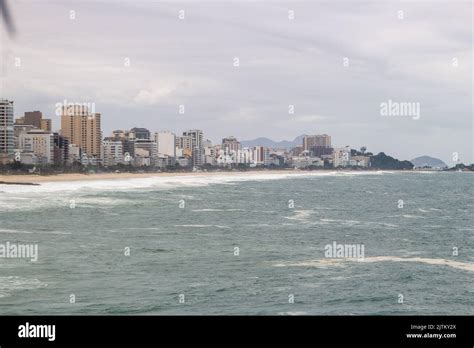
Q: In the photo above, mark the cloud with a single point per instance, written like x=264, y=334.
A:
x=153, y=95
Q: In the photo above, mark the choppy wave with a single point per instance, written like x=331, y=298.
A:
x=465, y=266
x=214, y=210
x=300, y=215
x=55, y=193
x=168, y=182
x=202, y=226
x=293, y=313
x=14, y=283
x=2, y=230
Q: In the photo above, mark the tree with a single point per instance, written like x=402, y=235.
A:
x=363, y=149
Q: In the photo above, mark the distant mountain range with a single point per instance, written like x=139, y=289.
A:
x=284, y=144
x=427, y=161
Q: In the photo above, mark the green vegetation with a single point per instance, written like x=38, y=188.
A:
x=382, y=161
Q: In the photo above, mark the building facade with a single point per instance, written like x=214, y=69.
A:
x=38, y=142
x=81, y=128
x=6, y=131
x=230, y=144
x=309, y=141
x=112, y=153
x=166, y=143
x=35, y=118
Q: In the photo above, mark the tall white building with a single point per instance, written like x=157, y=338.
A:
x=211, y=154
x=166, y=143
x=38, y=142
x=231, y=144
x=112, y=153
x=196, y=136
x=6, y=130
x=261, y=155
x=148, y=146
x=341, y=157
x=184, y=142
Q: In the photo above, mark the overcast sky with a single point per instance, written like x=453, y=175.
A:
x=424, y=57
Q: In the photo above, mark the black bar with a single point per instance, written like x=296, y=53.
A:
x=225, y=330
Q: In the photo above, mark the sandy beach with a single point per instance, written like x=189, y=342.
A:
x=31, y=178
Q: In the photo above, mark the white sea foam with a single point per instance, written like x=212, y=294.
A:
x=211, y=210
x=8, y=231
x=47, y=194
x=12, y=283
x=168, y=182
x=293, y=313
x=202, y=226
x=408, y=216
x=344, y=222
x=465, y=266
x=300, y=215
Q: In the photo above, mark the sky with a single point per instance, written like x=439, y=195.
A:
x=334, y=62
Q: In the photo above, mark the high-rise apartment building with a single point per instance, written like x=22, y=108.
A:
x=142, y=145
x=61, y=149
x=184, y=142
x=39, y=143
x=112, y=153
x=261, y=155
x=196, y=137
x=35, y=118
x=230, y=144
x=83, y=129
x=310, y=141
x=6, y=131
x=166, y=142
x=139, y=133
x=127, y=139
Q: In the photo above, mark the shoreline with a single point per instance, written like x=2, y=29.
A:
x=29, y=179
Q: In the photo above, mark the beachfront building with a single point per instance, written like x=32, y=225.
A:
x=74, y=154
x=166, y=143
x=35, y=119
x=305, y=162
x=310, y=141
x=139, y=133
x=6, y=131
x=142, y=157
x=360, y=161
x=39, y=143
x=261, y=156
x=341, y=157
x=83, y=128
x=112, y=153
x=61, y=149
x=230, y=144
x=150, y=147
x=211, y=154
x=195, y=143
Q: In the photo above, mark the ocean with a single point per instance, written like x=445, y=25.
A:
x=250, y=244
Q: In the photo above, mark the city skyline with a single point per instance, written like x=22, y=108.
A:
x=81, y=133
x=244, y=79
